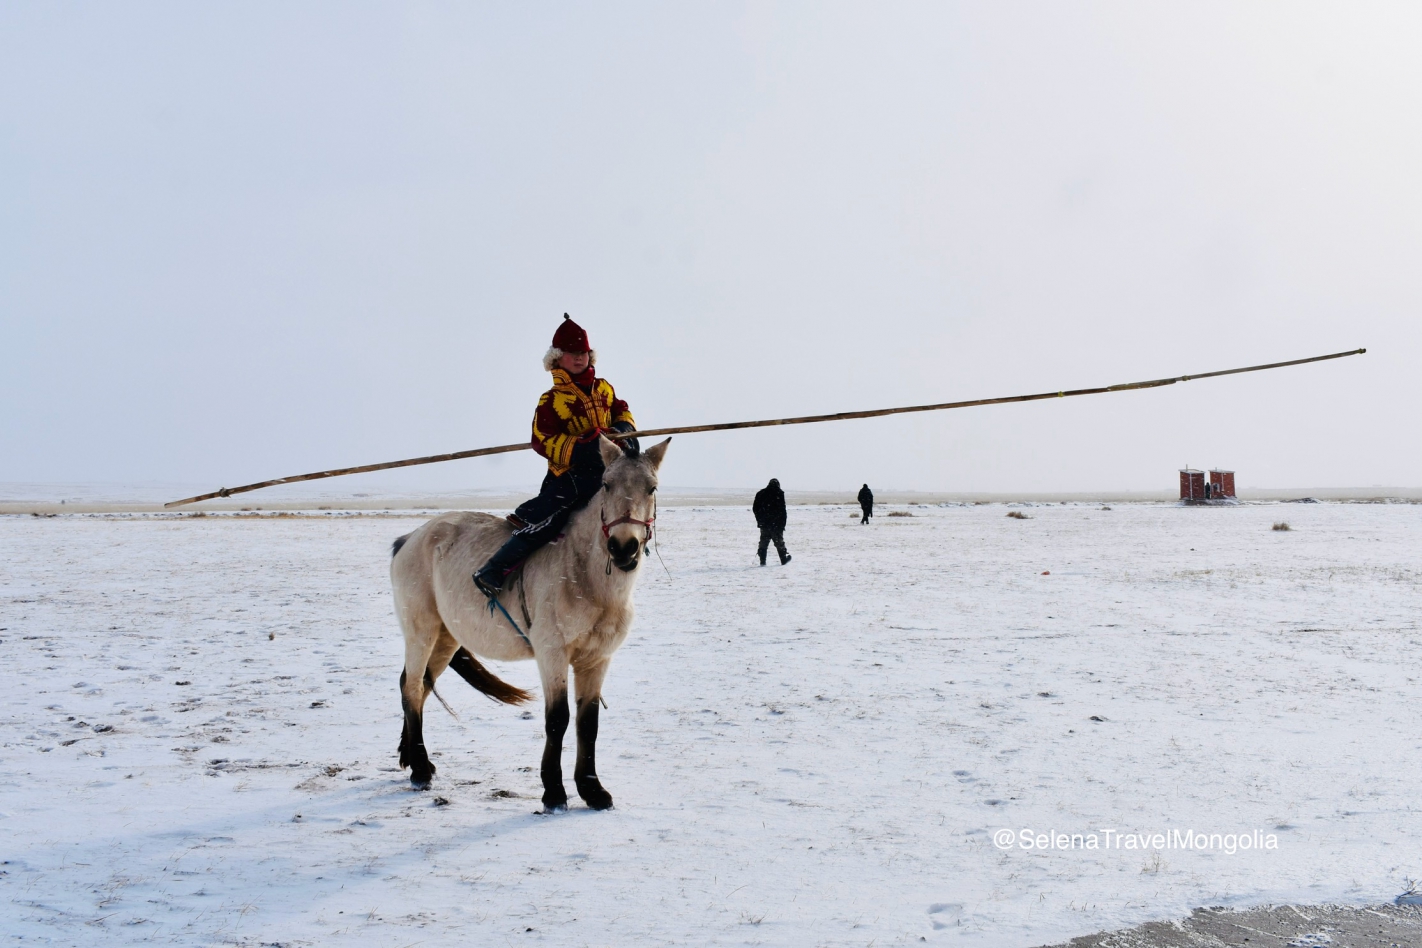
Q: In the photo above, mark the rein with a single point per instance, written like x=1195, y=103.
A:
x=495, y=604
x=523, y=604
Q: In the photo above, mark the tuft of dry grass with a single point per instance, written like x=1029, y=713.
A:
x=1281, y=525
x=1018, y=515
x=898, y=513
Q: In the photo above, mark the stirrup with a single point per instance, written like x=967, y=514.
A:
x=489, y=590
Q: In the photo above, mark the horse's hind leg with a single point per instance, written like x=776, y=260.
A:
x=416, y=683
x=413, y=692
x=443, y=651
x=588, y=685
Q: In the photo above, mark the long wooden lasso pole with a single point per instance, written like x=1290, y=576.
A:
x=729, y=426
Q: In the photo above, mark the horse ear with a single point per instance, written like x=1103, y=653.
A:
x=655, y=453
x=609, y=449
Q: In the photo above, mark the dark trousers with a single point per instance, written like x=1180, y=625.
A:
x=770, y=535
x=868, y=512
x=545, y=516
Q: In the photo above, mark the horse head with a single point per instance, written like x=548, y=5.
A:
x=628, y=499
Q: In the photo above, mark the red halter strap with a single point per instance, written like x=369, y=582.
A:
x=607, y=527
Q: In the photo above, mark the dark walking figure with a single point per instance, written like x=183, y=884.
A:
x=866, y=502
x=769, y=510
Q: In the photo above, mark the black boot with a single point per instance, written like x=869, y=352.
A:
x=489, y=582
x=517, y=548
x=784, y=558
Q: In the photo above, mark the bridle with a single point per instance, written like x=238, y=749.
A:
x=650, y=525
x=607, y=527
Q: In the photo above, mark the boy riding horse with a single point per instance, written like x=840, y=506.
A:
x=566, y=425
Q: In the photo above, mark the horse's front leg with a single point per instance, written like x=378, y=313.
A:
x=553, y=670
x=589, y=697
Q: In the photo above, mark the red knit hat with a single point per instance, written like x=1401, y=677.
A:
x=571, y=337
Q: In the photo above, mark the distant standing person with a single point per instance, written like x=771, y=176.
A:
x=769, y=510
x=866, y=502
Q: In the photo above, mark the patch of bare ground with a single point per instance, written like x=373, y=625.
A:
x=1275, y=926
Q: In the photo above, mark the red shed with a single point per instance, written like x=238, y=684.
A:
x=1192, y=484
x=1221, y=483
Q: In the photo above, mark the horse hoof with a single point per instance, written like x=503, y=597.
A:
x=555, y=803
x=418, y=783
x=601, y=800
x=595, y=796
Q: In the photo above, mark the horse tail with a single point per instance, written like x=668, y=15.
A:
x=399, y=542
x=466, y=666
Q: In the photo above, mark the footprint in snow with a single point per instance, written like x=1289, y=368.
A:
x=944, y=908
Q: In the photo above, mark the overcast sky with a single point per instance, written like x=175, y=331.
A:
x=241, y=241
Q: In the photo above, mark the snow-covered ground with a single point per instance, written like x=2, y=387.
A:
x=201, y=715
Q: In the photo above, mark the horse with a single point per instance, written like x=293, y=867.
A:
x=566, y=607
